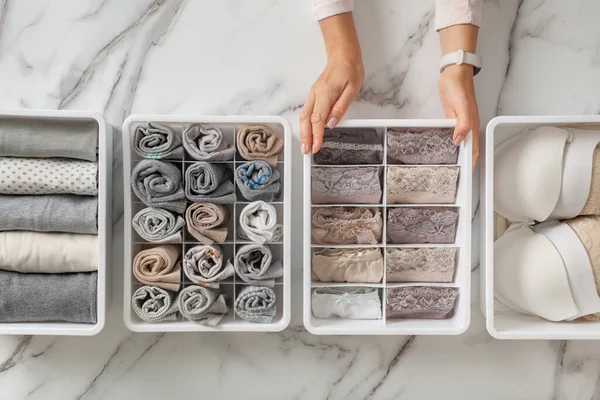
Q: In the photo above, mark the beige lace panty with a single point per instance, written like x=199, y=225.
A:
x=348, y=265
x=346, y=225
x=435, y=264
x=420, y=185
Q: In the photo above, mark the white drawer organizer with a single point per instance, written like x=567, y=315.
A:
x=230, y=125
x=460, y=320
x=105, y=160
x=503, y=324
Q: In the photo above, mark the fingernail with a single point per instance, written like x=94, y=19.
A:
x=332, y=122
x=304, y=148
x=458, y=140
x=314, y=148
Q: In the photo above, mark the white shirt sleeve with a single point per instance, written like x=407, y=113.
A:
x=455, y=12
x=328, y=8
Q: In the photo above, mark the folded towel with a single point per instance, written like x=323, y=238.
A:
x=47, y=138
x=256, y=304
x=254, y=264
x=207, y=222
x=206, y=143
x=205, y=265
x=156, y=225
x=206, y=182
x=49, y=213
x=259, y=143
x=157, y=141
x=48, y=253
x=153, y=304
x=48, y=176
x=258, y=222
x=258, y=181
x=202, y=305
x=158, y=184
x=48, y=297
x=158, y=266
x=346, y=303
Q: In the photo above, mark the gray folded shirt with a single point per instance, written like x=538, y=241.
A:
x=48, y=297
x=46, y=138
x=158, y=184
x=49, y=213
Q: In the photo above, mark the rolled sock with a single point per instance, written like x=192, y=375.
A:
x=206, y=182
x=156, y=225
x=48, y=297
x=34, y=176
x=157, y=141
x=158, y=266
x=205, y=265
x=258, y=181
x=153, y=304
x=254, y=264
x=206, y=143
x=49, y=213
x=158, y=184
x=259, y=143
x=48, y=253
x=202, y=305
x=258, y=223
x=48, y=138
x=256, y=304
x=207, y=222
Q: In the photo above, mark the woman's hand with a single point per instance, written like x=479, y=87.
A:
x=337, y=87
x=457, y=93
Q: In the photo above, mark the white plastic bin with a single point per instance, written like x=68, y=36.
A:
x=503, y=324
x=105, y=160
x=230, y=125
x=460, y=320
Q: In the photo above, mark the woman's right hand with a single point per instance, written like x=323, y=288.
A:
x=337, y=87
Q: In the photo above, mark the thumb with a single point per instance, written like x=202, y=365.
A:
x=463, y=125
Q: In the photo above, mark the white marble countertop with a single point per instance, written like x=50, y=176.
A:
x=260, y=57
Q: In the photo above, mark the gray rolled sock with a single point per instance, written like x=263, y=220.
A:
x=157, y=141
x=49, y=213
x=254, y=264
x=156, y=225
x=153, y=304
x=46, y=138
x=158, y=184
x=212, y=183
x=206, y=143
x=256, y=304
x=258, y=181
x=202, y=305
x=48, y=297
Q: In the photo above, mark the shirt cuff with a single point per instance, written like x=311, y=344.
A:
x=456, y=12
x=327, y=8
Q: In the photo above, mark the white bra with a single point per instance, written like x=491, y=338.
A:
x=544, y=174
x=545, y=271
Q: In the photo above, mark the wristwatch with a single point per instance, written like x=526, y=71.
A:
x=461, y=57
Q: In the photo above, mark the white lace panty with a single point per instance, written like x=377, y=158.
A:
x=348, y=303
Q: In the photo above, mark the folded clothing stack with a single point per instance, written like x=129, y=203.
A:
x=48, y=221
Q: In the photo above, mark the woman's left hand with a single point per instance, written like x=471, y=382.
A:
x=457, y=93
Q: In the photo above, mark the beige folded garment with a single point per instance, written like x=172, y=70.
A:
x=41, y=252
x=346, y=225
x=259, y=143
x=207, y=222
x=159, y=266
x=348, y=265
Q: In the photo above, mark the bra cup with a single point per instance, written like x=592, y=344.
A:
x=528, y=174
x=530, y=276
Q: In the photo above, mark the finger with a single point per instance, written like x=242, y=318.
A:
x=341, y=106
x=463, y=123
x=475, y=125
x=318, y=118
x=305, y=126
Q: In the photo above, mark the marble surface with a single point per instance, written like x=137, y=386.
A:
x=260, y=57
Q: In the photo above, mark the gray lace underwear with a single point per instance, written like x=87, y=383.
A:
x=420, y=302
x=350, y=146
x=422, y=224
x=346, y=185
x=421, y=146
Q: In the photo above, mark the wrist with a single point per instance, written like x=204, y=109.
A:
x=462, y=70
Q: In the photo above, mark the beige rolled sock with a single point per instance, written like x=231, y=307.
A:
x=207, y=222
x=259, y=143
x=158, y=266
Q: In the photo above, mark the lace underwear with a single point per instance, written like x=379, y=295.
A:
x=338, y=185
x=350, y=146
x=592, y=205
x=348, y=265
x=421, y=146
x=347, y=303
x=346, y=225
x=422, y=224
x=419, y=185
x=435, y=264
x=420, y=302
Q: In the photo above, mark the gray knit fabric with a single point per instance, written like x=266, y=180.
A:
x=202, y=305
x=48, y=297
x=254, y=264
x=153, y=304
x=212, y=183
x=157, y=141
x=158, y=184
x=47, y=138
x=206, y=265
x=258, y=181
x=156, y=225
x=206, y=143
x=49, y=213
x=256, y=304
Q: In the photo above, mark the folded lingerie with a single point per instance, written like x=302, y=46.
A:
x=351, y=185
x=423, y=264
x=420, y=302
x=346, y=303
x=422, y=224
x=346, y=225
x=421, y=146
x=350, y=146
x=419, y=185
x=348, y=265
